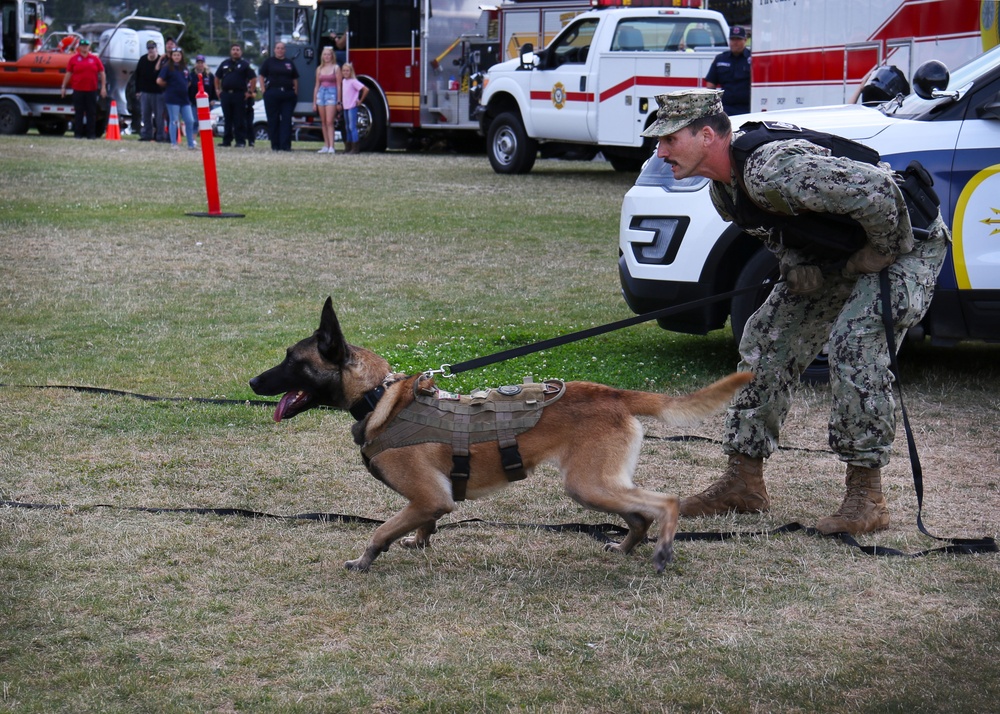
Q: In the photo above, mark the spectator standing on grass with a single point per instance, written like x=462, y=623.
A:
x=175, y=80
x=791, y=194
x=279, y=81
x=86, y=77
x=208, y=80
x=326, y=97
x=234, y=84
x=150, y=94
x=169, y=44
x=730, y=71
x=354, y=93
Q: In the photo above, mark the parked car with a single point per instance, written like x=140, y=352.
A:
x=674, y=247
x=304, y=129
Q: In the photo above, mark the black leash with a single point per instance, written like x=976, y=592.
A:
x=471, y=364
x=958, y=545
x=142, y=397
x=479, y=362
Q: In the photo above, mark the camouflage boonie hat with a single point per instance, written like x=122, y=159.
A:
x=678, y=109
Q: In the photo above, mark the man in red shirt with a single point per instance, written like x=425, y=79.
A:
x=85, y=76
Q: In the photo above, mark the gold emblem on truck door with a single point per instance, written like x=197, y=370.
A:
x=559, y=95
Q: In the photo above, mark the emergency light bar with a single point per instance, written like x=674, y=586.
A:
x=602, y=4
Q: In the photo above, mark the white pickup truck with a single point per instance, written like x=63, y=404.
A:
x=674, y=248
x=592, y=89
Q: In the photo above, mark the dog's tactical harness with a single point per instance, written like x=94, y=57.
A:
x=497, y=415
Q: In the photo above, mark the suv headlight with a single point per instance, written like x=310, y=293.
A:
x=657, y=172
x=666, y=238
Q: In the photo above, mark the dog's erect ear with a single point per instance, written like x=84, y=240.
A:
x=329, y=339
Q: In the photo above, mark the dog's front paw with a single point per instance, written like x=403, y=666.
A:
x=664, y=554
x=615, y=548
x=359, y=565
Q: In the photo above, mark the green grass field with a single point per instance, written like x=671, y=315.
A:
x=430, y=259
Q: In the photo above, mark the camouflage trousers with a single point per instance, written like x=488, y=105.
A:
x=783, y=337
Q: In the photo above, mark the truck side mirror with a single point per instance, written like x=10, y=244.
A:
x=527, y=56
x=932, y=76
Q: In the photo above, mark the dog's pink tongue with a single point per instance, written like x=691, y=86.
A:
x=285, y=402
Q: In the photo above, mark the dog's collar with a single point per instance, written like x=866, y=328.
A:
x=369, y=400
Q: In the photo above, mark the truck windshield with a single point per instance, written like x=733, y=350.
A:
x=659, y=34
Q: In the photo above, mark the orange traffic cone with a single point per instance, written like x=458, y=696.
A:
x=113, y=133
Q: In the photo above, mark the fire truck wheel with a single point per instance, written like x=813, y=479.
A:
x=11, y=121
x=372, y=132
x=53, y=127
x=764, y=266
x=509, y=148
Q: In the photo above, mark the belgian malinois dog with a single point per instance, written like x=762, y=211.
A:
x=590, y=434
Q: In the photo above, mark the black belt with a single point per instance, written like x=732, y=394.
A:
x=234, y=91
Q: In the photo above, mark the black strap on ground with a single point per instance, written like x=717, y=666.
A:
x=957, y=545
x=602, y=532
x=479, y=362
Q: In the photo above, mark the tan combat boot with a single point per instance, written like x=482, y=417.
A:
x=863, y=509
x=741, y=489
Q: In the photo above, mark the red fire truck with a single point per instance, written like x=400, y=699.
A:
x=422, y=60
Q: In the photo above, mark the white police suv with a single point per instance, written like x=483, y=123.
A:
x=674, y=248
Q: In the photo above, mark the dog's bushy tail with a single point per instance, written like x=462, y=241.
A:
x=692, y=408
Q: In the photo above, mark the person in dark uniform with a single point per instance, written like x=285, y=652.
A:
x=730, y=71
x=279, y=81
x=234, y=82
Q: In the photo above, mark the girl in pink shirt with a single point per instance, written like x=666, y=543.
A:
x=354, y=93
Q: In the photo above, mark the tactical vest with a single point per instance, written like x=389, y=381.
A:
x=437, y=416
x=826, y=235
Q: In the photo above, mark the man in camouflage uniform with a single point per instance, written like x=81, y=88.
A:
x=820, y=302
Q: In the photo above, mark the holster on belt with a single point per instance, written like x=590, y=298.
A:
x=921, y=200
